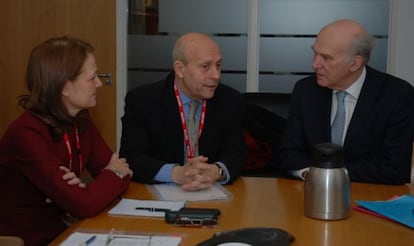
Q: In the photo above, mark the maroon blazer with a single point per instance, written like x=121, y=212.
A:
x=29, y=173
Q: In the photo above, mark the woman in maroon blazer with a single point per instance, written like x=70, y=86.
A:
x=46, y=149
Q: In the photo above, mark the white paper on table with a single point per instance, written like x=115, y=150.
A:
x=173, y=192
x=129, y=207
x=77, y=238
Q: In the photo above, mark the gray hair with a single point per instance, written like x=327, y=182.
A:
x=363, y=45
x=179, y=51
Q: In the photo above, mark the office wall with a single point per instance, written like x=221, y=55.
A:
x=401, y=40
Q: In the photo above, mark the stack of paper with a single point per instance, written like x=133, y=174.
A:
x=79, y=238
x=400, y=209
x=145, y=207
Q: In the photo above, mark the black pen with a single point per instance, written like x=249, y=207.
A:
x=153, y=209
x=89, y=241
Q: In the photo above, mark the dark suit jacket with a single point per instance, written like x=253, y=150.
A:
x=378, y=142
x=152, y=134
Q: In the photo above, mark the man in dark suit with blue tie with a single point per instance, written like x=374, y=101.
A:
x=377, y=110
x=156, y=134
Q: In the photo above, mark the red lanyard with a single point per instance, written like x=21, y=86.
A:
x=69, y=148
x=190, y=151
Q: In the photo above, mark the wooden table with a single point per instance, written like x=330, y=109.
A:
x=269, y=202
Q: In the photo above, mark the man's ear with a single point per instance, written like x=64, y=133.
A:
x=179, y=69
x=357, y=63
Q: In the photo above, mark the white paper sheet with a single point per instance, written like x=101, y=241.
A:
x=129, y=207
x=173, y=192
x=77, y=238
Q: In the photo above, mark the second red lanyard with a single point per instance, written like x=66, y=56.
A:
x=191, y=150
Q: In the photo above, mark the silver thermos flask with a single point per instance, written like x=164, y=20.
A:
x=327, y=185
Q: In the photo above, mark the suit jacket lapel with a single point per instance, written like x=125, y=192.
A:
x=363, y=108
x=172, y=122
x=323, y=124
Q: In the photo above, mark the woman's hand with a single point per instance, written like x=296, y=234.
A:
x=71, y=177
x=119, y=166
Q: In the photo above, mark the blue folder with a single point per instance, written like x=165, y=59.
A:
x=400, y=209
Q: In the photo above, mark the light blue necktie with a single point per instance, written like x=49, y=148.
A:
x=192, y=125
x=338, y=125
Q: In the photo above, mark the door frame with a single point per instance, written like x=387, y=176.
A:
x=121, y=64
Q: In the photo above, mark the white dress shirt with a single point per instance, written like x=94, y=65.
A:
x=350, y=102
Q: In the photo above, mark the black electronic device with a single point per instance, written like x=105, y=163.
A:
x=254, y=236
x=196, y=217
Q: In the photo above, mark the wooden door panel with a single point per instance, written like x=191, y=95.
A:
x=24, y=24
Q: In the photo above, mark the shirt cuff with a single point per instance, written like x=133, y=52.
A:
x=165, y=173
x=300, y=173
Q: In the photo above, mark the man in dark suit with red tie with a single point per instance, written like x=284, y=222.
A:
x=378, y=110
x=156, y=139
